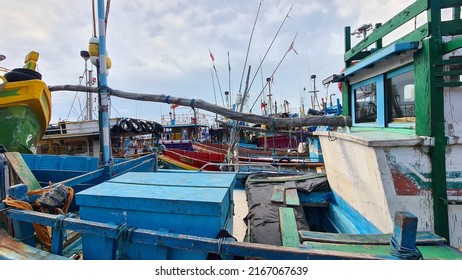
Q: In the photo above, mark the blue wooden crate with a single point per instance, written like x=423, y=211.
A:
x=192, y=207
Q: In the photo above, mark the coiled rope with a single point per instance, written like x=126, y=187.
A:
x=40, y=230
x=123, y=234
x=404, y=252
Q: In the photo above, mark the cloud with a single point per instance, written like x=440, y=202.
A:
x=163, y=46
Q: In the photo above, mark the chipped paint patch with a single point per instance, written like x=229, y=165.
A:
x=403, y=185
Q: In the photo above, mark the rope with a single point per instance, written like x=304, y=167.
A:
x=404, y=252
x=123, y=234
x=191, y=103
x=59, y=221
x=274, y=153
x=220, y=244
x=105, y=88
x=40, y=230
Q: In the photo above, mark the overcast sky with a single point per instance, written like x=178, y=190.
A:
x=162, y=47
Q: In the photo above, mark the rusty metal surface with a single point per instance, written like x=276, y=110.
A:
x=11, y=249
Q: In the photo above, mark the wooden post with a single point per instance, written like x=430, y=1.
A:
x=23, y=231
x=429, y=110
x=405, y=229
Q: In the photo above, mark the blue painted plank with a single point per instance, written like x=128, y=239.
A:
x=380, y=55
x=57, y=241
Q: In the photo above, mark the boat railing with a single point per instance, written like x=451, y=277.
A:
x=63, y=225
x=242, y=167
x=199, y=119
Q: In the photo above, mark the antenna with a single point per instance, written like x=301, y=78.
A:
x=362, y=30
x=314, y=97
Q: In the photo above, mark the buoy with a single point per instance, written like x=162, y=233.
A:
x=93, y=49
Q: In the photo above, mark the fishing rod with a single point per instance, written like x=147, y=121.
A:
x=108, y=4
x=271, y=44
x=214, y=92
x=216, y=74
x=248, y=46
x=279, y=64
x=229, y=80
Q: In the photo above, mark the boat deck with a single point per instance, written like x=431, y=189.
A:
x=240, y=211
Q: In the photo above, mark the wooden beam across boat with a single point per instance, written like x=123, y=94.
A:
x=230, y=114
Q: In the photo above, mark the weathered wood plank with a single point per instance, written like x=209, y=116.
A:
x=428, y=252
x=417, y=35
x=292, y=197
x=288, y=178
x=21, y=169
x=422, y=238
x=288, y=224
x=451, y=27
x=450, y=3
x=278, y=194
x=452, y=45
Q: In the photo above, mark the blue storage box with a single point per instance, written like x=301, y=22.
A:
x=198, y=204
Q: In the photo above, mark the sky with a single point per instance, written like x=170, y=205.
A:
x=163, y=47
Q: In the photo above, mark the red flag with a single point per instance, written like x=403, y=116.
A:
x=211, y=56
x=292, y=48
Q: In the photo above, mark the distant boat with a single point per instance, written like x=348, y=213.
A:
x=130, y=137
x=191, y=160
x=279, y=159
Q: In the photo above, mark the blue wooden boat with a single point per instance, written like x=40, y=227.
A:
x=61, y=207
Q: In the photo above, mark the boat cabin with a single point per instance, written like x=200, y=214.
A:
x=403, y=96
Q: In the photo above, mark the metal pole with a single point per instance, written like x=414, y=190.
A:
x=103, y=89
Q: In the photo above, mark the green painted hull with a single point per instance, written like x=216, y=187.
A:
x=20, y=130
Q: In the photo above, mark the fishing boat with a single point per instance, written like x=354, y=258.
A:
x=25, y=107
x=181, y=129
x=281, y=160
x=132, y=210
x=402, y=150
x=130, y=137
x=191, y=160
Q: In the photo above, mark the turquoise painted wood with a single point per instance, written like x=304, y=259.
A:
x=422, y=238
x=380, y=55
x=196, y=179
x=182, y=209
x=288, y=225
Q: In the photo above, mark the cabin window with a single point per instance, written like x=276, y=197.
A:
x=400, y=97
x=385, y=100
x=368, y=102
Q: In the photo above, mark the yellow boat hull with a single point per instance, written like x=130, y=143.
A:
x=25, y=112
